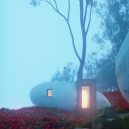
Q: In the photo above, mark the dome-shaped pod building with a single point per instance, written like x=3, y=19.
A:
x=122, y=68
x=61, y=95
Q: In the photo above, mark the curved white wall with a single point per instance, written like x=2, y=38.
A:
x=122, y=68
x=64, y=96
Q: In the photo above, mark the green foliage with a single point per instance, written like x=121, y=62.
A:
x=115, y=124
x=125, y=123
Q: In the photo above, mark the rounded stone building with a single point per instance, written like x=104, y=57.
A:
x=122, y=68
x=61, y=95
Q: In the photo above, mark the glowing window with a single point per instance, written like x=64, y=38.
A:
x=85, y=97
x=49, y=92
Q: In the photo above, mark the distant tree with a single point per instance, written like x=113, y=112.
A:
x=100, y=69
x=91, y=66
x=68, y=74
x=115, y=25
x=105, y=75
x=57, y=76
x=114, y=22
x=85, y=10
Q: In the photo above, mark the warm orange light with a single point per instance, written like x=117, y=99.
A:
x=49, y=92
x=85, y=97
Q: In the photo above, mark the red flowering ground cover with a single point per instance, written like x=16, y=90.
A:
x=117, y=100
x=50, y=118
x=41, y=118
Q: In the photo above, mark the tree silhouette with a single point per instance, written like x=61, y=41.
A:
x=115, y=26
x=85, y=12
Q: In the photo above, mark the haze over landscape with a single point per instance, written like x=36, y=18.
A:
x=34, y=42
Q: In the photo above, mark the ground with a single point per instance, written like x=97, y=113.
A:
x=50, y=118
x=115, y=117
x=41, y=118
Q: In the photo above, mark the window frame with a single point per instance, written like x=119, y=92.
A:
x=49, y=92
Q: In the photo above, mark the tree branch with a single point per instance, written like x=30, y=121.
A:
x=55, y=9
x=85, y=13
x=68, y=9
x=67, y=21
x=56, y=4
x=89, y=21
x=73, y=42
x=81, y=15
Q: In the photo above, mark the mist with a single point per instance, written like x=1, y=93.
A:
x=34, y=42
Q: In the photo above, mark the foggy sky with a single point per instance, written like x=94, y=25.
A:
x=34, y=42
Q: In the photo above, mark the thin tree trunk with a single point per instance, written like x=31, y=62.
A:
x=84, y=17
x=82, y=24
x=82, y=62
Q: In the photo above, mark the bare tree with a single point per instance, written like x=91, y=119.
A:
x=85, y=20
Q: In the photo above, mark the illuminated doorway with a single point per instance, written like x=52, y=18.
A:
x=85, y=96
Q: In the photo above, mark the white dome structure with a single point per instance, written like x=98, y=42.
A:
x=122, y=68
x=61, y=95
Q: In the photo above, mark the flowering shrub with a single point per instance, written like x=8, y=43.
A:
x=40, y=118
